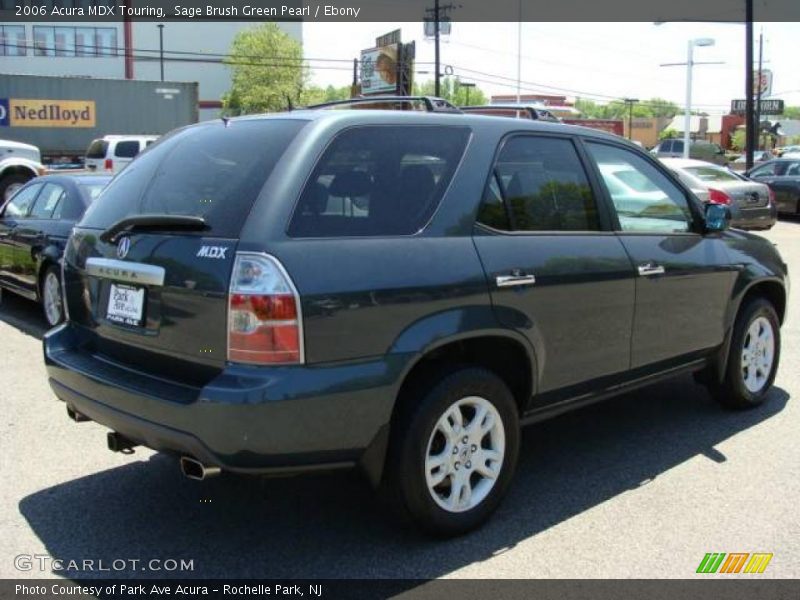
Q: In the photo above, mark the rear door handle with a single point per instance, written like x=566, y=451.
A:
x=515, y=280
x=650, y=269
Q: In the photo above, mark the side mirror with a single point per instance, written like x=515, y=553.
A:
x=718, y=217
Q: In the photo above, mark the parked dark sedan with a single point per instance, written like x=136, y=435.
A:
x=782, y=175
x=34, y=226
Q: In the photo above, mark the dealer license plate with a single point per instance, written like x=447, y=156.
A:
x=125, y=305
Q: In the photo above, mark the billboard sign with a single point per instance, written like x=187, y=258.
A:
x=379, y=70
x=768, y=107
x=19, y=112
x=764, y=84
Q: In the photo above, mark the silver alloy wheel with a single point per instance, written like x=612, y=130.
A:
x=11, y=190
x=52, y=298
x=758, y=354
x=465, y=454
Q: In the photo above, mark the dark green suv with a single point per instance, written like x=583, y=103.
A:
x=397, y=291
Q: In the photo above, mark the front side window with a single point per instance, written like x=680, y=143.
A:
x=540, y=185
x=20, y=204
x=767, y=170
x=379, y=180
x=659, y=207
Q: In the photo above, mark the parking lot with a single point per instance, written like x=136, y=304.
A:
x=641, y=486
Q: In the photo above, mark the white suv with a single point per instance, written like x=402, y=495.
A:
x=114, y=152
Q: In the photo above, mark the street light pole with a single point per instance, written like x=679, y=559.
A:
x=630, y=102
x=436, y=84
x=687, y=117
x=161, y=48
x=519, y=53
x=748, y=84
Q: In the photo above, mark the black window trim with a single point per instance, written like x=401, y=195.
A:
x=333, y=137
x=696, y=225
x=604, y=215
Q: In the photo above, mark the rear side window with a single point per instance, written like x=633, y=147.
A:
x=379, y=180
x=127, y=149
x=214, y=171
x=97, y=149
x=47, y=201
x=665, y=146
x=539, y=184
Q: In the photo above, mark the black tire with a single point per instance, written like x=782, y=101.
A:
x=405, y=485
x=55, y=318
x=733, y=392
x=9, y=180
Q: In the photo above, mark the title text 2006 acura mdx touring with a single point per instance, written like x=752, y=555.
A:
x=398, y=291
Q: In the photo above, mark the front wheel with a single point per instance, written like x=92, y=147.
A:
x=454, y=451
x=754, y=355
x=52, y=298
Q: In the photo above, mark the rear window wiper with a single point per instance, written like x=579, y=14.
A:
x=153, y=223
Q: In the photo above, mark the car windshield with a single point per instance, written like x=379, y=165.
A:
x=97, y=149
x=711, y=174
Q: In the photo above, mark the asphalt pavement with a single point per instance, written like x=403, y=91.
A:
x=641, y=486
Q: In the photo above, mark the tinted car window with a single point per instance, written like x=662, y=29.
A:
x=127, y=149
x=677, y=146
x=379, y=180
x=20, y=204
x=493, y=211
x=665, y=209
x=792, y=169
x=544, y=186
x=47, y=201
x=97, y=149
x=665, y=146
x=214, y=171
x=766, y=170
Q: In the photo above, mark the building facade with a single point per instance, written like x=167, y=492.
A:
x=193, y=51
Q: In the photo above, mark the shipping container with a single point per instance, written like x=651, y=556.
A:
x=62, y=115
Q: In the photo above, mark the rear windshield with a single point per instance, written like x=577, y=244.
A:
x=711, y=174
x=97, y=149
x=212, y=171
x=379, y=180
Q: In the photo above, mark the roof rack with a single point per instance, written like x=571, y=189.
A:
x=540, y=113
x=431, y=103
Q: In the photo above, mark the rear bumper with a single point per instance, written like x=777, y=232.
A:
x=252, y=420
x=754, y=218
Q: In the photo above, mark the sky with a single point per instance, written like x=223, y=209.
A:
x=599, y=61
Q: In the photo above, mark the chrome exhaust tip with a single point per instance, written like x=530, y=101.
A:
x=194, y=469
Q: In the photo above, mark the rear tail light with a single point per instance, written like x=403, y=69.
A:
x=108, y=165
x=264, y=318
x=718, y=197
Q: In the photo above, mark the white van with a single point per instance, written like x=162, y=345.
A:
x=112, y=153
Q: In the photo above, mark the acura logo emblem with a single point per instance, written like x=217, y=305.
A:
x=123, y=247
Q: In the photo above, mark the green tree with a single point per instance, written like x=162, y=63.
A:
x=667, y=133
x=791, y=112
x=266, y=71
x=738, y=140
x=313, y=94
x=452, y=91
x=654, y=107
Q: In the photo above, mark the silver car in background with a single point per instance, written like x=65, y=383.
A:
x=751, y=203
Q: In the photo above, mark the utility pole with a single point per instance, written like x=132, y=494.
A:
x=161, y=48
x=748, y=84
x=438, y=13
x=630, y=102
x=519, y=53
x=758, y=88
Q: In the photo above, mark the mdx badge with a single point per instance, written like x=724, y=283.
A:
x=212, y=252
x=123, y=247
